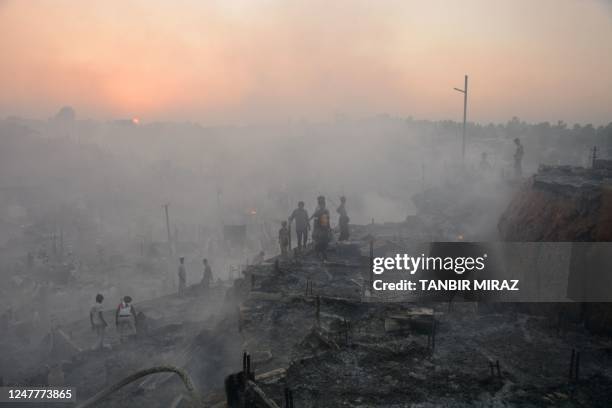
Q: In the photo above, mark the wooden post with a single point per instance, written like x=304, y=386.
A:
x=465, y=96
x=248, y=367
x=464, y=91
x=288, y=398
x=170, y=249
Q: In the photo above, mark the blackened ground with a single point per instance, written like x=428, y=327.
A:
x=351, y=357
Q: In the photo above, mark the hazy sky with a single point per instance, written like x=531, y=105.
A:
x=272, y=60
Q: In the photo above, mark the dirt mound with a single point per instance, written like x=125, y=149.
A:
x=560, y=204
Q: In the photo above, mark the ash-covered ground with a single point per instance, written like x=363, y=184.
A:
x=309, y=327
x=369, y=353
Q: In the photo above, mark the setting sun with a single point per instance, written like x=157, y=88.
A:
x=210, y=62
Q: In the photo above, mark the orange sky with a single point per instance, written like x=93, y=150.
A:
x=248, y=61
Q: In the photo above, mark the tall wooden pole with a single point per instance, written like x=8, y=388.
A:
x=465, y=96
x=168, y=230
x=464, y=91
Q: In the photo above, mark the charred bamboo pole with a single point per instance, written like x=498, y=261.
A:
x=196, y=400
x=263, y=398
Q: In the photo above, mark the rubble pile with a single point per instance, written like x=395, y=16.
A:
x=333, y=345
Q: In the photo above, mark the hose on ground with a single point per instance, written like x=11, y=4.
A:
x=195, y=398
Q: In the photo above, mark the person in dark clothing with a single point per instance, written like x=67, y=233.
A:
x=182, y=276
x=518, y=158
x=321, y=231
x=207, y=276
x=344, y=220
x=283, y=239
x=98, y=324
x=302, y=224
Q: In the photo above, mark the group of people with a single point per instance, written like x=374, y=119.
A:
x=484, y=166
x=125, y=314
x=321, y=230
x=207, y=276
x=125, y=320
